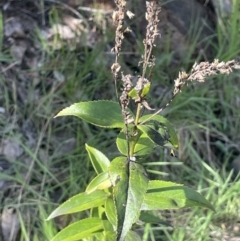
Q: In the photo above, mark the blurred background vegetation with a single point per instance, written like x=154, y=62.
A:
x=55, y=53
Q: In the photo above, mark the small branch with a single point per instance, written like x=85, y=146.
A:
x=202, y=70
x=199, y=73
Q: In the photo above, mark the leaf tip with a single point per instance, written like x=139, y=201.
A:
x=60, y=113
x=51, y=216
x=212, y=208
x=48, y=218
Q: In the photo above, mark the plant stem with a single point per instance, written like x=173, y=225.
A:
x=139, y=106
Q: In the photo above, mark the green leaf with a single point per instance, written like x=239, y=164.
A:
x=97, y=236
x=173, y=139
x=103, y=113
x=110, y=211
x=143, y=147
x=151, y=217
x=107, y=226
x=132, y=236
x=80, y=202
x=168, y=195
x=122, y=143
x=137, y=187
x=99, y=161
x=146, y=89
x=154, y=134
x=109, y=236
x=129, y=187
x=133, y=93
x=118, y=172
x=95, y=212
x=100, y=182
x=79, y=230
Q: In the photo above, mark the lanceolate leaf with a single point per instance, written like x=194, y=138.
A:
x=80, y=202
x=138, y=183
x=168, y=195
x=119, y=175
x=173, y=139
x=129, y=187
x=101, y=113
x=99, y=161
x=100, y=182
x=79, y=230
x=110, y=210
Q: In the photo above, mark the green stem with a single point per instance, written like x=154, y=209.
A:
x=134, y=139
x=137, y=114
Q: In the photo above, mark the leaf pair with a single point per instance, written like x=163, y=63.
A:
x=157, y=131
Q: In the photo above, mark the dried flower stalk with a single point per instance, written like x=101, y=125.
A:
x=199, y=73
x=152, y=18
x=118, y=20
